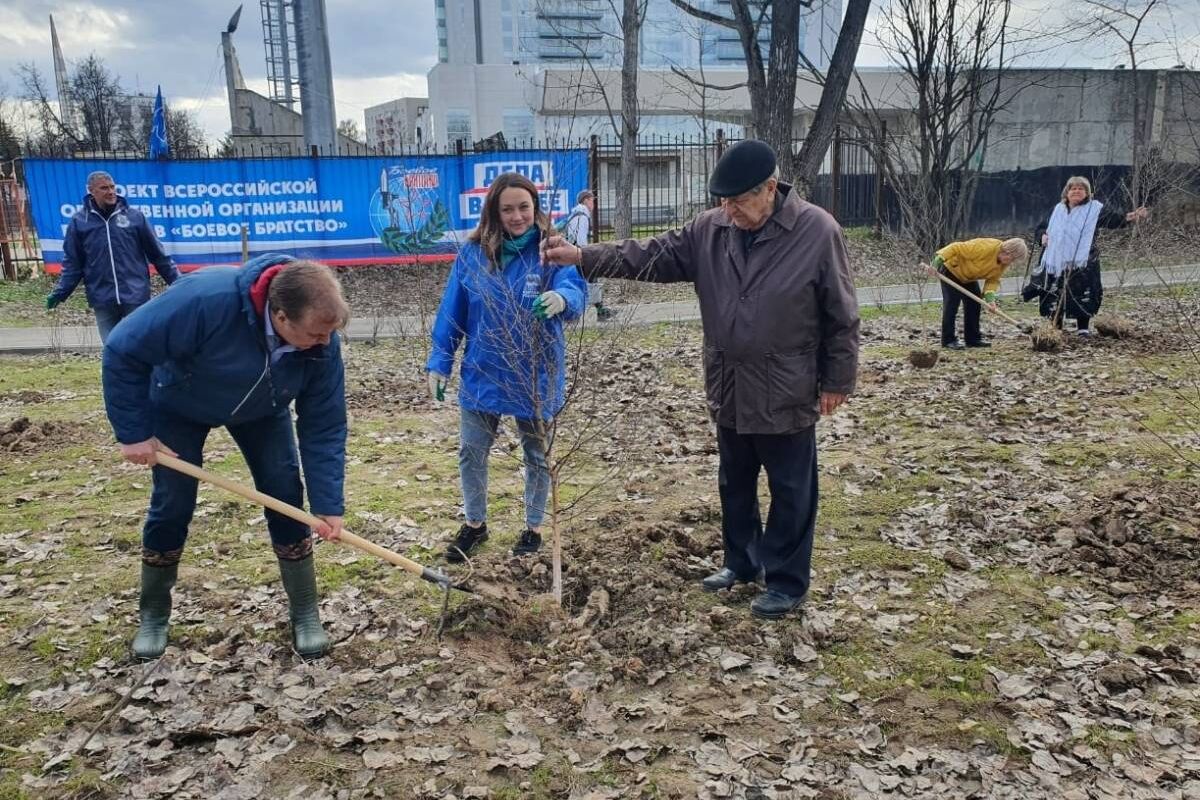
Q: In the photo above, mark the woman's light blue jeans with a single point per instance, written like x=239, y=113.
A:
x=477, y=432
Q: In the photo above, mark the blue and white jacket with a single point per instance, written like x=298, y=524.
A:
x=110, y=255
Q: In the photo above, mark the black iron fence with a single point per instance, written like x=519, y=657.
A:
x=670, y=181
x=671, y=175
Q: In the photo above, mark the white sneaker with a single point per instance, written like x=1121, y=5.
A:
x=1084, y=332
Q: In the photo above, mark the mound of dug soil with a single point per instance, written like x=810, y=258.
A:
x=23, y=436
x=1143, y=538
x=624, y=591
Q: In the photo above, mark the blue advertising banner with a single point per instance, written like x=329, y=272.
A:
x=343, y=211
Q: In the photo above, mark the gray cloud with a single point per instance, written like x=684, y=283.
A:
x=177, y=45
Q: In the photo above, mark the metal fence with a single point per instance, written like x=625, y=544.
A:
x=670, y=183
x=18, y=242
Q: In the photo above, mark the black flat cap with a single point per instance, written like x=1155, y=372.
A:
x=742, y=167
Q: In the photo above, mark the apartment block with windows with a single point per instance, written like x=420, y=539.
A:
x=533, y=69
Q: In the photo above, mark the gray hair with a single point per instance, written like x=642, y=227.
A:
x=1016, y=248
x=773, y=176
x=96, y=177
x=1077, y=180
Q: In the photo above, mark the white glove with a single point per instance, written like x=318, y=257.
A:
x=437, y=386
x=549, y=304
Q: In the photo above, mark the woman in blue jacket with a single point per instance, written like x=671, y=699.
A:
x=510, y=309
x=234, y=348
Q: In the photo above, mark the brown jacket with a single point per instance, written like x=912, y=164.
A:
x=780, y=326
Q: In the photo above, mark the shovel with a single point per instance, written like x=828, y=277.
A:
x=963, y=290
x=345, y=537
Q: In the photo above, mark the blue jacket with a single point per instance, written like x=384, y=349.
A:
x=494, y=311
x=110, y=256
x=200, y=352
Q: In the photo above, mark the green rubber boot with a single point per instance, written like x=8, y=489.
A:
x=154, y=611
x=300, y=581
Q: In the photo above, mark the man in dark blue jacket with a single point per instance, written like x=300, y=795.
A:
x=233, y=348
x=108, y=246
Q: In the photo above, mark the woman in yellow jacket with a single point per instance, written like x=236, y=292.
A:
x=967, y=263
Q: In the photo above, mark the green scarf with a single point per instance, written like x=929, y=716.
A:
x=511, y=248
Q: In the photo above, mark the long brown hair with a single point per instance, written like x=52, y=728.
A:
x=489, y=234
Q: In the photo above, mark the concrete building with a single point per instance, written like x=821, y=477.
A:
x=258, y=124
x=502, y=64
x=397, y=125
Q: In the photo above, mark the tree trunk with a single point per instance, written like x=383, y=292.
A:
x=783, y=58
x=833, y=95
x=631, y=24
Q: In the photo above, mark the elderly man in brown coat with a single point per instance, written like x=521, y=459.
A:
x=780, y=349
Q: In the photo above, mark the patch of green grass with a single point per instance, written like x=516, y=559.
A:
x=362, y=573
x=1110, y=740
x=78, y=374
x=1184, y=626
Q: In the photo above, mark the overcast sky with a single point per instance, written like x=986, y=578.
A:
x=381, y=49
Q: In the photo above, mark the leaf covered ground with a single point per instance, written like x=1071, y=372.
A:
x=1005, y=598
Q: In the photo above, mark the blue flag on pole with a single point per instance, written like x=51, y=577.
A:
x=158, y=129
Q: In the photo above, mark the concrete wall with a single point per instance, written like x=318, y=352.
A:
x=262, y=126
x=1056, y=117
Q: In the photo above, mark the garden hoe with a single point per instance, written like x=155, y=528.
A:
x=346, y=537
x=1027, y=329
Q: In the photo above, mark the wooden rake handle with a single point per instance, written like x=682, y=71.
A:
x=963, y=290
x=288, y=510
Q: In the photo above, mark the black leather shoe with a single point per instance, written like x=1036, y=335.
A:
x=466, y=542
x=773, y=605
x=724, y=578
x=979, y=344
x=954, y=345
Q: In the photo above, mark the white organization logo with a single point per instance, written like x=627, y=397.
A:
x=122, y=221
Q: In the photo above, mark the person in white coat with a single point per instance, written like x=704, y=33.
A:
x=577, y=229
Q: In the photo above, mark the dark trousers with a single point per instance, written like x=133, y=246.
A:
x=951, y=300
x=269, y=446
x=107, y=317
x=784, y=550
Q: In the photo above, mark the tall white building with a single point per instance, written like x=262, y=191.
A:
x=549, y=69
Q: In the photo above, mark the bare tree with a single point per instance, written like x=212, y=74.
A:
x=633, y=14
x=97, y=92
x=1127, y=21
x=835, y=82
x=349, y=129
x=772, y=86
x=952, y=56
x=582, y=35
x=51, y=132
x=185, y=137
x=10, y=144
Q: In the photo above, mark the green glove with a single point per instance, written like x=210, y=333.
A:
x=990, y=298
x=52, y=301
x=437, y=386
x=549, y=304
